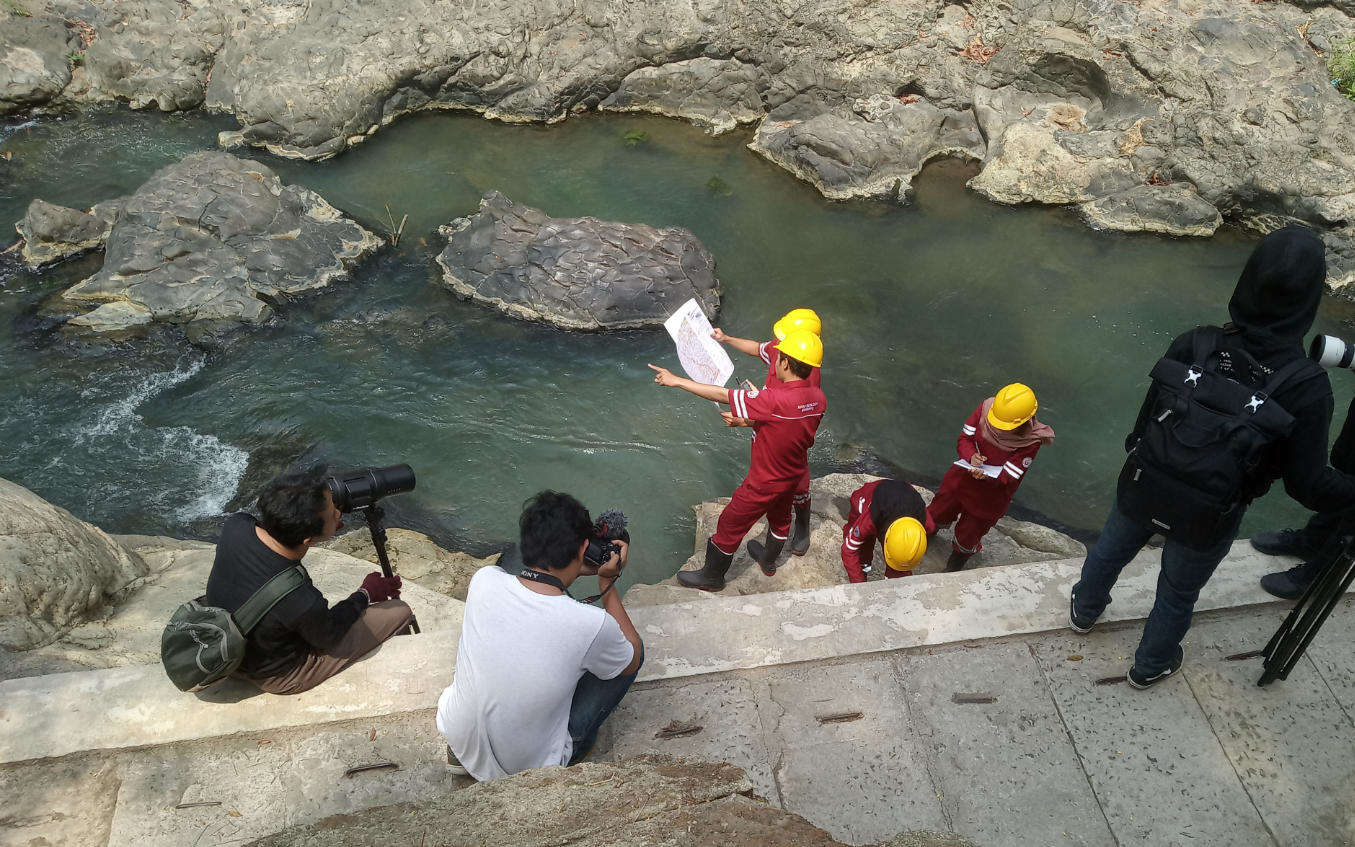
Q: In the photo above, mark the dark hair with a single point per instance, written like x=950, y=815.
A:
x=291, y=507
x=800, y=370
x=552, y=527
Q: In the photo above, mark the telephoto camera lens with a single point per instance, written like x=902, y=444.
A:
x=360, y=488
x=1331, y=352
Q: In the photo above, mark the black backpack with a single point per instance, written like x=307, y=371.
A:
x=1200, y=457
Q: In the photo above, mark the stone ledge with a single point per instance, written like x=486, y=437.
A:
x=129, y=707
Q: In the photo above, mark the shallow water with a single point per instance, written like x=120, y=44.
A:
x=928, y=308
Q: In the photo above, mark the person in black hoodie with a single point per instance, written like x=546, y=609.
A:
x=1272, y=308
x=302, y=641
x=1310, y=542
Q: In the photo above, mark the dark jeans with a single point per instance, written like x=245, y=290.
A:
x=594, y=700
x=1184, y=572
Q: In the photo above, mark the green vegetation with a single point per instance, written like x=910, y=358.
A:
x=17, y=10
x=719, y=187
x=635, y=137
x=1341, y=65
x=76, y=58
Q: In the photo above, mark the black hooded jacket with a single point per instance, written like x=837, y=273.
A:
x=1272, y=309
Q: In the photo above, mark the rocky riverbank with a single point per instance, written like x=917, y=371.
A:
x=1162, y=115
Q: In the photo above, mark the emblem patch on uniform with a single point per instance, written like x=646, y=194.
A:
x=751, y=391
x=1025, y=463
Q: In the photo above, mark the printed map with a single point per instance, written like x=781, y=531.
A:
x=702, y=357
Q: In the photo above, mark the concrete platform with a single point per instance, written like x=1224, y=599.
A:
x=984, y=719
x=132, y=707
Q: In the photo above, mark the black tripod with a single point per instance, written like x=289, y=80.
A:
x=1306, y=618
x=374, y=515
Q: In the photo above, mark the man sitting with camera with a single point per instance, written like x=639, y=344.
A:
x=302, y=641
x=537, y=672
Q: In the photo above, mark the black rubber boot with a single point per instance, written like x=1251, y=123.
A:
x=711, y=577
x=765, y=553
x=799, y=536
x=957, y=559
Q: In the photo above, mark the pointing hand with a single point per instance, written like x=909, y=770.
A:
x=663, y=376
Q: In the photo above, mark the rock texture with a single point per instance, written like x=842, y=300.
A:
x=214, y=238
x=33, y=64
x=1009, y=542
x=416, y=558
x=649, y=799
x=1075, y=103
x=126, y=631
x=53, y=233
x=575, y=273
x=56, y=571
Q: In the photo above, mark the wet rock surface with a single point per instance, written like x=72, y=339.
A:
x=212, y=238
x=575, y=273
x=56, y=571
x=53, y=233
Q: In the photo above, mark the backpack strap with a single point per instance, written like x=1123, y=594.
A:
x=262, y=601
x=1204, y=342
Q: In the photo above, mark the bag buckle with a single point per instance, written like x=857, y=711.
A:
x=1193, y=376
x=1255, y=403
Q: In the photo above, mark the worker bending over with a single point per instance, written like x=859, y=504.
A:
x=895, y=506
x=784, y=419
x=996, y=446
x=806, y=319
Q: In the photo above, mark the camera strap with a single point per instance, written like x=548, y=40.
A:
x=547, y=579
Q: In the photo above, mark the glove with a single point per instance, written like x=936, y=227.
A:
x=378, y=588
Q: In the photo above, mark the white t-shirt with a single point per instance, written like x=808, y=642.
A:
x=520, y=658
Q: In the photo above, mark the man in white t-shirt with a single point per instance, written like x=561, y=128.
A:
x=537, y=672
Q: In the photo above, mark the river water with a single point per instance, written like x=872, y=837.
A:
x=928, y=308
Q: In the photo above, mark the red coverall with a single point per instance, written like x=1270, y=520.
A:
x=978, y=503
x=767, y=350
x=785, y=419
x=885, y=500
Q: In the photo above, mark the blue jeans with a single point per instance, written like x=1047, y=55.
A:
x=594, y=700
x=1184, y=572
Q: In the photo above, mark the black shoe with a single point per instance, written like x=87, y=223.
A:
x=711, y=577
x=1286, y=542
x=765, y=553
x=1140, y=680
x=1080, y=624
x=1290, y=584
x=957, y=559
x=799, y=537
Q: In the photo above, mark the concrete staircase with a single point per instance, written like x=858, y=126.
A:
x=942, y=701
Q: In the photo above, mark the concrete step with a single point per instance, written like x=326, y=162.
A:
x=134, y=707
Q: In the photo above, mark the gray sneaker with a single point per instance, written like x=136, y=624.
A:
x=454, y=766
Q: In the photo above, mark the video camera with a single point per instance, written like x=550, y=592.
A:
x=609, y=528
x=358, y=490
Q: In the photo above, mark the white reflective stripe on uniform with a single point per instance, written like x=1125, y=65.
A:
x=1013, y=470
x=739, y=409
x=969, y=430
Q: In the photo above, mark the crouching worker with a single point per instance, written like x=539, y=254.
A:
x=302, y=640
x=537, y=672
x=784, y=419
x=996, y=446
x=894, y=506
x=806, y=319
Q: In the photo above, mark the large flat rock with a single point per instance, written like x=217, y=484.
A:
x=575, y=273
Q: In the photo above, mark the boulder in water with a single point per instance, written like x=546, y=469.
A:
x=56, y=571
x=216, y=238
x=53, y=233
x=575, y=273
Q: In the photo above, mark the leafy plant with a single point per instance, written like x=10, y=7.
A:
x=1341, y=65
x=715, y=185
x=635, y=137
x=17, y=10
x=76, y=58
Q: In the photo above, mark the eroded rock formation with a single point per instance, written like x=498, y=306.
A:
x=575, y=273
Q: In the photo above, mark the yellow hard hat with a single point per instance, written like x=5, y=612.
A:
x=803, y=345
x=905, y=544
x=1014, y=405
x=797, y=319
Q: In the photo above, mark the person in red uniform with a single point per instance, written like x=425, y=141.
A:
x=806, y=319
x=894, y=507
x=997, y=444
x=784, y=419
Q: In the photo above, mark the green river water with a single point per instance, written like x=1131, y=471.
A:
x=928, y=308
